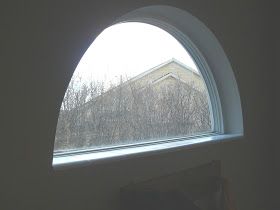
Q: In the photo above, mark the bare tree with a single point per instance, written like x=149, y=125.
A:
x=127, y=113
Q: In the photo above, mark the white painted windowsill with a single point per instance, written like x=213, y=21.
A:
x=89, y=157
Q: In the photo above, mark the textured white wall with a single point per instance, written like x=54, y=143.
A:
x=43, y=42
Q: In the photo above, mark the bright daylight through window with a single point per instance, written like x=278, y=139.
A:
x=135, y=84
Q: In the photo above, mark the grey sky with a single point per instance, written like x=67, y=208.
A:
x=129, y=49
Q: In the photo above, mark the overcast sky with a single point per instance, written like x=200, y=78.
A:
x=129, y=49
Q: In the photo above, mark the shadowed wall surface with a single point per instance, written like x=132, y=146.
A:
x=42, y=44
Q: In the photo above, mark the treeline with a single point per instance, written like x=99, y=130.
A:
x=92, y=117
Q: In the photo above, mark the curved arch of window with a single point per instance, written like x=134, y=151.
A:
x=173, y=105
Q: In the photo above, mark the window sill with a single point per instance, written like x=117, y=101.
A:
x=89, y=157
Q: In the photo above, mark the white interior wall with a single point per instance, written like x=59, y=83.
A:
x=42, y=44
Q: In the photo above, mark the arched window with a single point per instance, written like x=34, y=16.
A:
x=146, y=85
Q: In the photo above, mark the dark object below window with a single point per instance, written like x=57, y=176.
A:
x=199, y=188
x=153, y=200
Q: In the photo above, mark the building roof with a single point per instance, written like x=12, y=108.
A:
x=162, y=65
x=154, y=79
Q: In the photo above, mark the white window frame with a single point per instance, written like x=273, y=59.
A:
x=200, y=42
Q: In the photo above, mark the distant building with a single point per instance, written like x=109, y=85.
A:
x=170, y=71
x=166, y=101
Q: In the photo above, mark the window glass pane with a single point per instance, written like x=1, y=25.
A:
x=135, y=83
